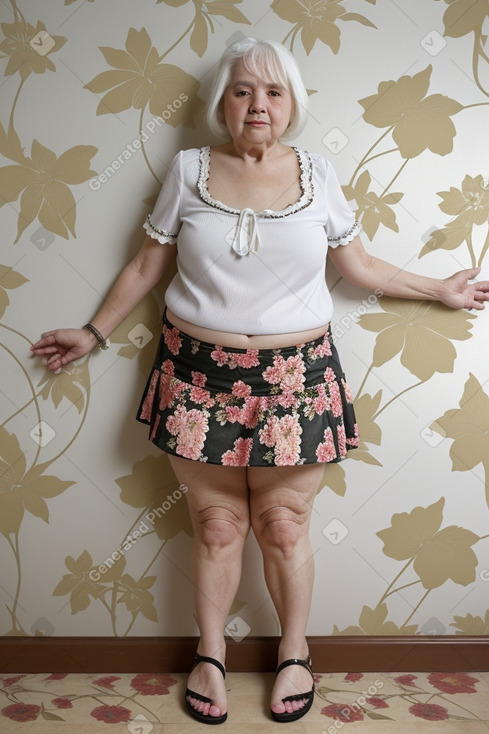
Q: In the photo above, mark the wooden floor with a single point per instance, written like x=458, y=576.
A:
x=144, y=703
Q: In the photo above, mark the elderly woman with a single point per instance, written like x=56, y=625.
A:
x=247, y=395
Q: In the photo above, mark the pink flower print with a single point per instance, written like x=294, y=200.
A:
x=354, y=440
x=233, y=413
x=274, y=374
x=168, y=367
x=198, y=379
x=347, y=390
x=241, y=389
x=146, y=408
x=269, y=434
x=14, y=679
x=240, y=455
x=155, y=427
x=283, y=434
x=289, y=373
x=353, y=677
x=62, y=703
x=219, y=356
x=321, y=402
x=335, y=397
x=377, y=702
x=329, y=375
x=429, y=711
x=190, y=427
x=287, y=400
x=170, y=389
x=172, y=340
x=406, y=680
x=251, y=410
x=201, y=396
x=322, y=350
x=247, y=360
x=341, y=440
x=326, y=451
x=293, y=374
x=107, y=681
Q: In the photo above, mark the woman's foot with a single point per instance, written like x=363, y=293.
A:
x=292, y=690
x=206, y=681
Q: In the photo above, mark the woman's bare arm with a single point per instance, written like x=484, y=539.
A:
x=134, y=282
x=367, y=271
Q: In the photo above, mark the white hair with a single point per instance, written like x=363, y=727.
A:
x=270, y=61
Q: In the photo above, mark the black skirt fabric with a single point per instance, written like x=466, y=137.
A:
x=248, y=407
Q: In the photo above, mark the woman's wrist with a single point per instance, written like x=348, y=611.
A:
x=99, y=339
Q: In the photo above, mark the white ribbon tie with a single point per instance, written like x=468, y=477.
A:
x=245, y=236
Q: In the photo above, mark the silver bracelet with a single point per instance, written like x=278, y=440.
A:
x=98, y=336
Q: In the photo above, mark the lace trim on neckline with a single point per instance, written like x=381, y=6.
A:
x=307, y=188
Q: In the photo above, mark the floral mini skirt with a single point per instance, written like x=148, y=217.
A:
x=248, y=407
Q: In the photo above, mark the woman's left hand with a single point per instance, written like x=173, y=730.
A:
x=457, y=292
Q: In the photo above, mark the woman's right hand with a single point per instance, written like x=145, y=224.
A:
x=62, y=346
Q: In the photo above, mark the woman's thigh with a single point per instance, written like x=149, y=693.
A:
x=212, y=490
x=289, y=490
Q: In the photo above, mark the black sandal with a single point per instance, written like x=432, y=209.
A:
x=294, y=715
x=204, y=718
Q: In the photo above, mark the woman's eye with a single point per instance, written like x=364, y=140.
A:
x=274, y=93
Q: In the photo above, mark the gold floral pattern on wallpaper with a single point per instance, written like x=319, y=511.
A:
x=203, y=19
x=433, y=554
x=462, y=18
x=469, y=205
x=316, y=21
x=468, y=426
x=41, y=180
x=416, y=122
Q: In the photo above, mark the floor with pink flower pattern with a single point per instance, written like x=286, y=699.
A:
x=388, y=703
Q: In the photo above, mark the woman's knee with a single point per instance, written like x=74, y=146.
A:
x=281, y=528
x=218, y=527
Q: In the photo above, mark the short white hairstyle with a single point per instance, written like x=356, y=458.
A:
x=270, y=61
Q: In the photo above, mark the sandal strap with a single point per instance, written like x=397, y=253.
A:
x=296, y=661
x=198, y=696
x=299, y=696
x=204, y=659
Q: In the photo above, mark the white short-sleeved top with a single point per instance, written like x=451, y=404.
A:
x=251, y=272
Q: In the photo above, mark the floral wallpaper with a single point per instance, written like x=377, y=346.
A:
x=96, y=100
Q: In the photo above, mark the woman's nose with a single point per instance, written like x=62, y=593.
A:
x=258, y=103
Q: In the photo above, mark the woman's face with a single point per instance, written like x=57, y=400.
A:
x=255, y=111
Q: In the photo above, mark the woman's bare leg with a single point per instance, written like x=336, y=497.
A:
x=281, y=500
x=218, y=502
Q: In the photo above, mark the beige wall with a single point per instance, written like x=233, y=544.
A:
x=400, y=106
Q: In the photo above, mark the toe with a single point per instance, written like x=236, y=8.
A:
x=215, y=711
